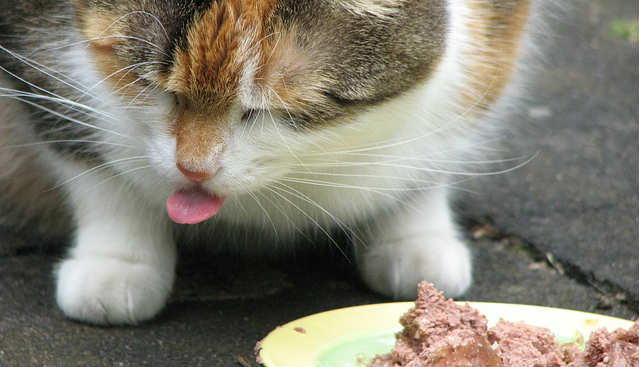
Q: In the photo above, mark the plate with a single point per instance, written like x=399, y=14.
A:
x=351, y=336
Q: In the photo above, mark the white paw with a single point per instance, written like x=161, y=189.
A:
x=395, y=269
x=111, y=291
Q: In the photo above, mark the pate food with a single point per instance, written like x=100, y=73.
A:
x=439, y=332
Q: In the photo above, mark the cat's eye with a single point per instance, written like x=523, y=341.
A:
x=250, y=114
x=288, y=117
x=338, y=99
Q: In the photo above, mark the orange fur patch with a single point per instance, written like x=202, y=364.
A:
x=220, y=44
x=496, y=28
x=206, y=75
x=235, y=35
x=228, y=39
x=198, y=134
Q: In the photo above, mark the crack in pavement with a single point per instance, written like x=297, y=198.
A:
x=608, y=291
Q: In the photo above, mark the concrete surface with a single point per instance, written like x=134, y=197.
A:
x=559, y=232
x=579, y=199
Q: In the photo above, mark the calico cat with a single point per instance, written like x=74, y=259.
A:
x=128, y=122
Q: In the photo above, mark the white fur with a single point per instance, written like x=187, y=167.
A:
x=121, y=267
x=414, y=244
x=421, y=242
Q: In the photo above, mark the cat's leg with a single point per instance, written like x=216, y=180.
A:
x=421, y=242
x=122, y=266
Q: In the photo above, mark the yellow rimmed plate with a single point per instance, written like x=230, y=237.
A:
x=351, y=336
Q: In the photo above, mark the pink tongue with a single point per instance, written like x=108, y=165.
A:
x=192, y=206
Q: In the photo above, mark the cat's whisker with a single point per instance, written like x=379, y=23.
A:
x=259, y=44
x=41, y=68
x=346, y=175
x=332, y=185
x=423, y=169
x=128, y=69
x=275, y=124
x=78, y=107
x=338, y=163
x=59, y=99
x=281, y=210
x=266, y=214
x=298, y=194
x=382, y=191
x=96, y=169
x=245, y=125
x=275, y=190
x=71, y=141
x=126, y=85
x=336, y=185
x=142, y=92
x=120, y=174
x=274, y=48
x=68, y=118
x=235, y=201
x=485, y=145
x=292, y=120
x=261, y=118
x=430, y=160
x=288, y=112
x=32, y=86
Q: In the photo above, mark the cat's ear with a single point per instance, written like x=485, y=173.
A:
x=100, y=25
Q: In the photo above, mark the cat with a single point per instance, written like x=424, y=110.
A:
x=126, y=123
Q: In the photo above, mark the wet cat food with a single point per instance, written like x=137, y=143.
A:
x=439, y=332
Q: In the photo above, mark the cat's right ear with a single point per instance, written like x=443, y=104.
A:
x=100, y=25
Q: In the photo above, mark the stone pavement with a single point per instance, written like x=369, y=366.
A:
x=561, y=232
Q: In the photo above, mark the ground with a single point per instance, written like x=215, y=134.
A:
x=561, y=231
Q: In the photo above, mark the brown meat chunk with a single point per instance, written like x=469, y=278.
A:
x=439, y=332
x=475, y=350
x=604, y=349
x=525, y=345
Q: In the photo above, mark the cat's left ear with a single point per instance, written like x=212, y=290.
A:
x=100, y=25
x=104, y=29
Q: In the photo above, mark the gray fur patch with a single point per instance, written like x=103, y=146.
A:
x=371, y=58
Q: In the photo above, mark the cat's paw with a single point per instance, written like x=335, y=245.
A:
x=395, y=269
x=110, y=291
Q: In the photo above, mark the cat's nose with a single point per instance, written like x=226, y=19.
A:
x=195, y=176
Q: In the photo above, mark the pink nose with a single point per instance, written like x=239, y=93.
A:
x=194, y=176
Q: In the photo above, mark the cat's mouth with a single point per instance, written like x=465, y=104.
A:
x=193, y=205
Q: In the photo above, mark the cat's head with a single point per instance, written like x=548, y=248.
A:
x=239, y=92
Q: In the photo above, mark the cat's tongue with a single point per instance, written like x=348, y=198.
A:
x=192, y=206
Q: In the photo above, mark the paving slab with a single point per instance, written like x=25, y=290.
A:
x=579, y=198
x=215, y=317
